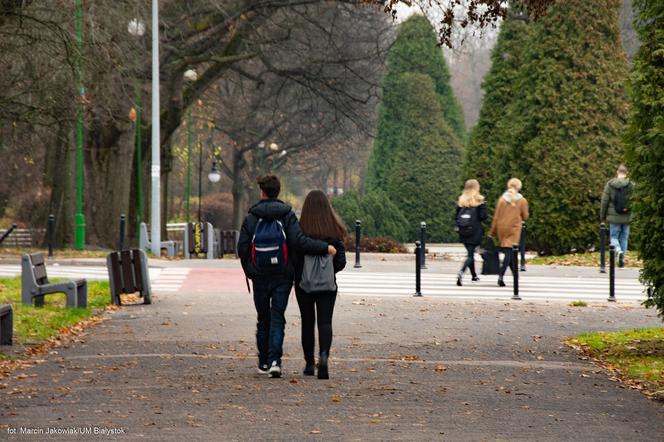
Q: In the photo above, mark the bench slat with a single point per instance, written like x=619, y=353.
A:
x=127, y=273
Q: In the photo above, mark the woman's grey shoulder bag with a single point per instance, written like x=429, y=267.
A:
x=318, y=274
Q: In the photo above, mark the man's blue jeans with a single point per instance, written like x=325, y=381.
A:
x=619, y=234
x=271, y=300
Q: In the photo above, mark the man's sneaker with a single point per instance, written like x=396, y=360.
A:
x=263, y=368
x=621, y=259
x=275, y=370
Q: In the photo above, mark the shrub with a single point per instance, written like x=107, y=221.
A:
x=375, y=245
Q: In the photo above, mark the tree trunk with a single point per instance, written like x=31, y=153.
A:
x=58, y=179
x=239, y=195
x=108, y=151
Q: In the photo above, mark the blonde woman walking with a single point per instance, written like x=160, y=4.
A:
x=470, y=214
x=511, y=211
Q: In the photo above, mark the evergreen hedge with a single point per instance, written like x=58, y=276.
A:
x=380, y=216
x=645, y=147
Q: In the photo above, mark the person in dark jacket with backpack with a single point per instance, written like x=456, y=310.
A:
x=319, y=220
x=616, y=211
x=470, y=214
x=269, y=234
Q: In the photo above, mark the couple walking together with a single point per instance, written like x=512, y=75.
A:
x=277, y=252
x=511, y=210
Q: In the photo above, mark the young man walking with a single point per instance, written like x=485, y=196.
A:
x=269, y=236
x=616, y=211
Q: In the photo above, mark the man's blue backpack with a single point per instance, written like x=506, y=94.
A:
x=269, y=252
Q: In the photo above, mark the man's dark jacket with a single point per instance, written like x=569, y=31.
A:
x=296, y=241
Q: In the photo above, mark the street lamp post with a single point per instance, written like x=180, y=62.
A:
x=136, y=28
x=79, y=231
x=190, y=75
x=155, y=171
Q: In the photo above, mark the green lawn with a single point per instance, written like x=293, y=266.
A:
x=583, y=259
x=636, y=354
x=34, y=326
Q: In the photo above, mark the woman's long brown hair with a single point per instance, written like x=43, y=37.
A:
x=318, y=218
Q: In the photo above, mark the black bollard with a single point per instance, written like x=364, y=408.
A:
x=358, y=234
x=123, y=221
x=418, y=269
x=523, y=246
x=602, y=248
x=50, y=234
x=423, y=242
x=612, y=274
x=515, y=271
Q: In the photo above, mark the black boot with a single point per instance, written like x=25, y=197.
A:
x=309, y=367
x=459, y=276
x=500, y=282
x=322, y=366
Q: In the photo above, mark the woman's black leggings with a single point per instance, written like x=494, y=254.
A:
x=469, y=263
x=321, y=304
x=507, y=262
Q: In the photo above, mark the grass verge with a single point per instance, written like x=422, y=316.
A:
x=584, y=259
x=637, y=356
x=34, y=326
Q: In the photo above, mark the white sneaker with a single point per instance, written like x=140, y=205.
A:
x=263, y=369
x=275, y=370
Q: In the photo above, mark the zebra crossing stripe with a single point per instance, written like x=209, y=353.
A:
x=534, y=287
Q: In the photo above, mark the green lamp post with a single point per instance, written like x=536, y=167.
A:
x=79, y=231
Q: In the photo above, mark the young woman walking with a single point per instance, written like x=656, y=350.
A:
x=511, y=211
x=319, y=220
x=470, y=214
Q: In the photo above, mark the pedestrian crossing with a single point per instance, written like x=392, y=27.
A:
x=161, y=279
x=530, y=287
x=169, y=279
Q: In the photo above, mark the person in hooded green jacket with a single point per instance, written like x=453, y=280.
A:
x=616, y=211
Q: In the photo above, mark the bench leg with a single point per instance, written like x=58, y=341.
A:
x=71, y=293
x=6, y=328
x=39, y=300
x=82, y=296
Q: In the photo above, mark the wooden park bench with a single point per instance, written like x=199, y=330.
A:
x=145, y=243
x=228, y=240
x=35, y=284
x=6, y=324
x=127, y=274
x=24, y=238
x=199, y=239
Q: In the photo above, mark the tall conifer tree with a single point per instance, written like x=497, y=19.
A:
x=488, y=146
x=415, y=50
x=562, y=130
x=424, y=179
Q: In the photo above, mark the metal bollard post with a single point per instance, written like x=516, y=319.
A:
x=418, y=269
x=358, y=234
x=612, y=274
x=602, y=248
x=423, y=242
x=515, y=271
x=122, y=232
x=51, y=232
x=523, y=246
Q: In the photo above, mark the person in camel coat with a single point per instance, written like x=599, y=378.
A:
x=511, y=211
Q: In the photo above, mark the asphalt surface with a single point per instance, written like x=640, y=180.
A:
x=401, y=369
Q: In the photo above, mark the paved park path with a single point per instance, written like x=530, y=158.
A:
x=401, y=368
